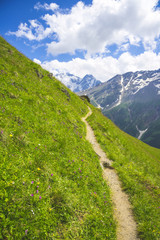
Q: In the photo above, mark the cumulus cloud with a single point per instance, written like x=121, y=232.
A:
x=52, y=6
x=23, y=31
x=103, y=68
x=37, y=61
x=94, y=27
x=33, y=31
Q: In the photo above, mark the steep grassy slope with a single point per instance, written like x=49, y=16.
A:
x=138, y=166
x=51, y=184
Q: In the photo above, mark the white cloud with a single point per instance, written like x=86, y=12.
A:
x=35, y=31
x=23, y=31
x=37, y=61
x=122, y=48
x=103, y=68
x=52, y=6
x=94, y=27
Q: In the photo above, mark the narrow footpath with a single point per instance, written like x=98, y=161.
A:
x=126, y=226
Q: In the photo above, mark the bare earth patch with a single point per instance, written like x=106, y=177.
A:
x=126, y=229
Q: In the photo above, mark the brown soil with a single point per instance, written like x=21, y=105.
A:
x=126, y=226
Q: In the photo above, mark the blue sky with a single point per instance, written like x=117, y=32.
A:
x=99, y=37
x=12, y=13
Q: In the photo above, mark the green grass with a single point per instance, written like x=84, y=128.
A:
x=138, y=167
x=51, y=184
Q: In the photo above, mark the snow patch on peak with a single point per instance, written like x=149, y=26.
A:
x=77, y=84
x=119, y=100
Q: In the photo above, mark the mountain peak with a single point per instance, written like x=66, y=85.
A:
x=89, y=76
x=77, y=84
x=129, y=100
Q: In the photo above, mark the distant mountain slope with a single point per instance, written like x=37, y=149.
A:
x=132, y=102
x=77, y=84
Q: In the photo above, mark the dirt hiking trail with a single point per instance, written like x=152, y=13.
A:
x=126, y=226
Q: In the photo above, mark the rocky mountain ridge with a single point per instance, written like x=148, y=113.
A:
x=132, y=102
x=77, y=84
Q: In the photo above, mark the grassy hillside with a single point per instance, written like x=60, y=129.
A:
x=51, y=184
x=138, y=166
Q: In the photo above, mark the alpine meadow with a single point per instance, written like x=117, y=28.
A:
x=51, y=180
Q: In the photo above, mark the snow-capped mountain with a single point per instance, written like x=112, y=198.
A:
x=132, y=101
x=77, y=84
x=125, y=87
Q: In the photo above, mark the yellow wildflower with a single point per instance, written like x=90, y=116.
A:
x=38, y=169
